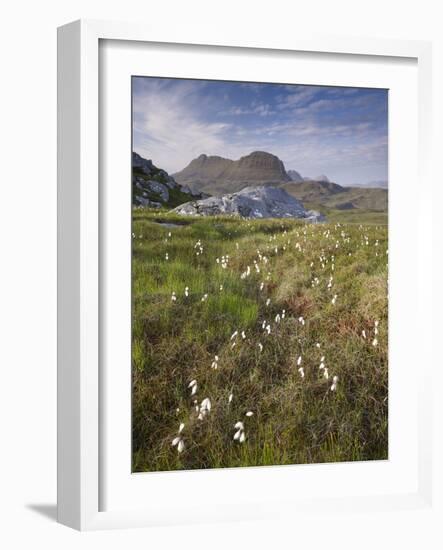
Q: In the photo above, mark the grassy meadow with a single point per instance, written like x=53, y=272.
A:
x=258, y=342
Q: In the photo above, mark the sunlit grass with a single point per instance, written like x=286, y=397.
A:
x=273, y=291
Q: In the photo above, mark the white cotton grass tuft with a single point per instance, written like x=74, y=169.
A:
x=166, y=256
x=240, y=432
x=301, y=370
x=326, y=373
x=186, y=291
x=230, y=398
x=173, y=297
x=193, y=386
x=234, y=335
x=334, y=383
x=363, y=333
x=375, y=342
x=178, y=440
x=249, y=413
x=260, y=346
x=299, y=360
x=205, y=408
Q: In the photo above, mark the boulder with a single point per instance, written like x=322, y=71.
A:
x=250, y=202
x=145, y=202
x=314, y=217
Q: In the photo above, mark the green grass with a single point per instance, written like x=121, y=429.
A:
x=295, y=419
x=354, y=216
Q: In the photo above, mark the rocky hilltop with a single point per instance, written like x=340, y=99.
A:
x=218, y=175
x=154, y=187
x=295, y=176
x=251, y=202
x=321, y=178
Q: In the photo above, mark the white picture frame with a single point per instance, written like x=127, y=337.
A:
x=80, y=261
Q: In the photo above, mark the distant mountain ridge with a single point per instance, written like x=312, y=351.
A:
x=218, y=175
x=378, y=184
x=312, y=191
x=295, y=176
x=322, y=177
x=332, y=195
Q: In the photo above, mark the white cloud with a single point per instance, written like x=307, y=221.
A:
x=174, y=123
x=168, y=131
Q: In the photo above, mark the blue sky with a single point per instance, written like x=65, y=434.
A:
x=340, y=132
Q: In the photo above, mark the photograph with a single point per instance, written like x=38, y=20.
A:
x=259, y=274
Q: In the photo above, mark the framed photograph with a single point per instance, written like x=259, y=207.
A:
x=239, y=314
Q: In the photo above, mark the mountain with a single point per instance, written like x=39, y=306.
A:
x=316, y=178
x=312, y=191
x=218, y=175
x=295, y=176
x=251, y=202
x=332, y=195
x=379, y=184
x=154, y=187
x=321, y=178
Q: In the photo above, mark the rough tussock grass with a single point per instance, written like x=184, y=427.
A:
x=295, y=419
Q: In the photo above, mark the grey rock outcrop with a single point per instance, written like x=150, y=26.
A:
x=153, y=187
x=146, y=166
x=159, y=188
x=251, y=202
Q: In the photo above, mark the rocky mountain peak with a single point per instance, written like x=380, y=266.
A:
x=218, y=175
x=295, y=176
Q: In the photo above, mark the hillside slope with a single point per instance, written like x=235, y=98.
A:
x=332, y=195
